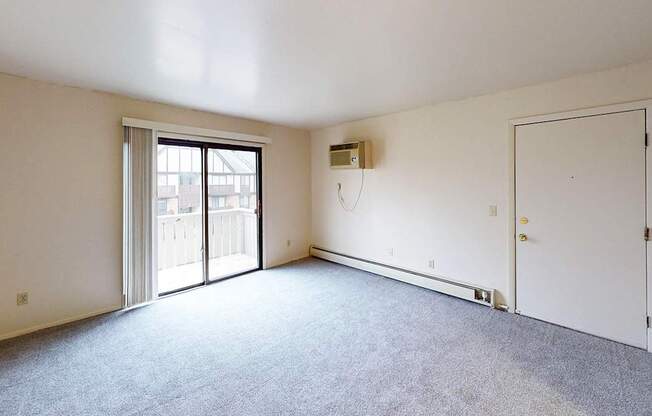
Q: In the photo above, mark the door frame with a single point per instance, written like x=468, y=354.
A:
x=645, y=105
x=205, y=144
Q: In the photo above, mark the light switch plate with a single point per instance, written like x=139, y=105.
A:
x=493, y=210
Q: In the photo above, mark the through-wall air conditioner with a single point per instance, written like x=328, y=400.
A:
x=353, y=155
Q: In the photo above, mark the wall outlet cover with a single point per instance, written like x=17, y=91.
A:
x=22, y=298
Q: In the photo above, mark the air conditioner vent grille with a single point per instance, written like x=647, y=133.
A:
x=351, y=155
x=345, y=146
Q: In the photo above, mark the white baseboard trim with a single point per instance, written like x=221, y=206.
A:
x=285, y=261
x=31, y=329
x=473, y=293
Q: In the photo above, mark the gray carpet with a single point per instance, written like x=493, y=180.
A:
x=315, y=338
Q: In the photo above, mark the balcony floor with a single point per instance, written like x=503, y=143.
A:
x=191, y=274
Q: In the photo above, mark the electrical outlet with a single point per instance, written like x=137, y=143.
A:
x=431, y=263
x=390, y=252
x=22, y=298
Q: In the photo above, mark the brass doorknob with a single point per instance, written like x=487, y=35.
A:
x=522, y=237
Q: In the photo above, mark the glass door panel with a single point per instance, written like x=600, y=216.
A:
x=233, y=241
x=179, y=217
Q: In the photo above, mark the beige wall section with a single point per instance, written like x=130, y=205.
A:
x=437, y=170
x=286, y=194
x=61, y=196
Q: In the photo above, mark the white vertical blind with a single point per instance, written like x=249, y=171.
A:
x=139, y=284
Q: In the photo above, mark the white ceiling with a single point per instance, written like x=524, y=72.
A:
x=312, y=63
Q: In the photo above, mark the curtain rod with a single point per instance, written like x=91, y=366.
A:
x=195, y=131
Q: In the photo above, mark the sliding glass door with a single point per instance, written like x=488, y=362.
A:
x=232, y=212
x=209, y=216
x=180, y=209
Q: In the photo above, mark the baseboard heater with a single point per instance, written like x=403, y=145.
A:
x=461, y=290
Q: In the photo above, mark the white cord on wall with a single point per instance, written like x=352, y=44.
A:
x=340, y=198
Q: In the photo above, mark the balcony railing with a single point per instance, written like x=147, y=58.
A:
x=230, y=231
x=221, y=190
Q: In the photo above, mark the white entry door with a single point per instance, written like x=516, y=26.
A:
x=580, y=220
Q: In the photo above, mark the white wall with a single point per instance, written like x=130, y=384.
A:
x=61, y=196
x=437, y=170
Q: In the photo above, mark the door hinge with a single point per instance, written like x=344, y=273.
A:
x=649, y=322
x=646, y=234
x=646, y=139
